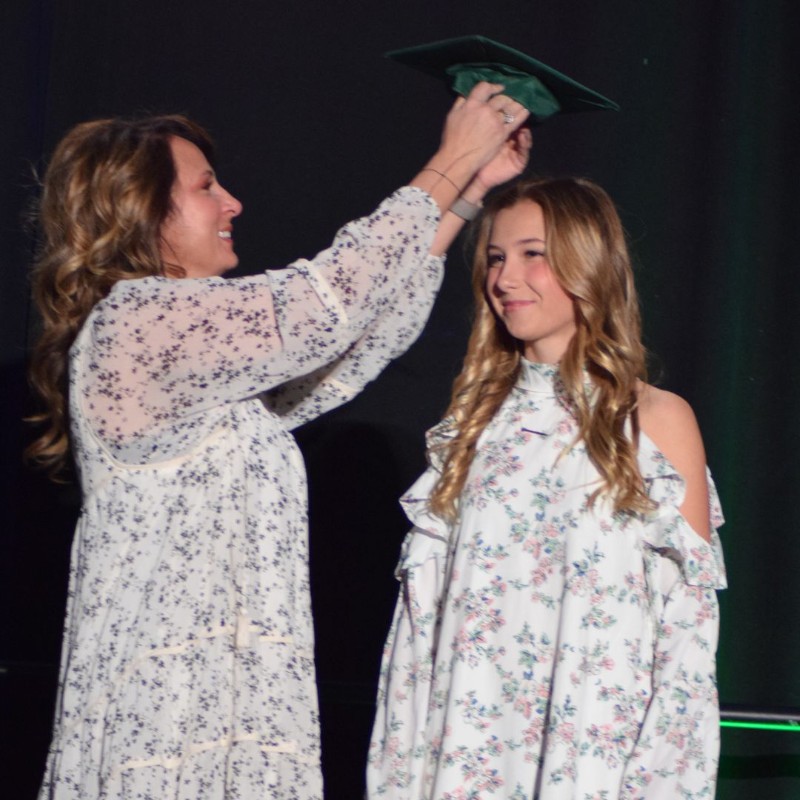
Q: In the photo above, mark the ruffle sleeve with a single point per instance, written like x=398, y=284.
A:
x=700, y=562
x=415, y=503
x=677, y=750
x=409, y=657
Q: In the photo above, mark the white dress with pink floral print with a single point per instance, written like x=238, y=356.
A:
x=542, y=648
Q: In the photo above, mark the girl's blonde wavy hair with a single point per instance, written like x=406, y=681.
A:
x=105, y=195
x=587, y=252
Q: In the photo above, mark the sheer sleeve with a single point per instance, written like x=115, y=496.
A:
x=160, y=350
x=393, y=332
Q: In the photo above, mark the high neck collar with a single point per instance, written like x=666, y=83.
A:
x=537, y=377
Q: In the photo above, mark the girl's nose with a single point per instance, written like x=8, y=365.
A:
x=509, y=275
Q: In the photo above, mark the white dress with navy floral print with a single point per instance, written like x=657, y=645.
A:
x=187, y=667
x=543, y=649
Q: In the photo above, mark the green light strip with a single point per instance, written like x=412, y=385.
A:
x=762, y=726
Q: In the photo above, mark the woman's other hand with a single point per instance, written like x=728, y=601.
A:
x=478, y=130
x=509, y=163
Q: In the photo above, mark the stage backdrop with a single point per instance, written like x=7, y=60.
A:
x=314, y=128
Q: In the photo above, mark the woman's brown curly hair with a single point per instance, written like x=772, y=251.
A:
x=105, y=196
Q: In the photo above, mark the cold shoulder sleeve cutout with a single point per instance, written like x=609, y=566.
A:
x=700, y=561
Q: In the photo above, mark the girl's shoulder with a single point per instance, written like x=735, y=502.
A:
x=659, y=408
x=668, y=420
x=670, y=423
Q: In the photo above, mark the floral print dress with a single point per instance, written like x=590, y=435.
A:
x=542, y=648
x=187, y=667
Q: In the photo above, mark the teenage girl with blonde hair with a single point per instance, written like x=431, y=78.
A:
x=556, y=630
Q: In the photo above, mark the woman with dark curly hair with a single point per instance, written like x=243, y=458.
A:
x=556, y=631
x=187, y=667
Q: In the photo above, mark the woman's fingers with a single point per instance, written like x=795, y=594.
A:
x=477, y=129
x=484, y=91
x=512, y=112
x=488, y=96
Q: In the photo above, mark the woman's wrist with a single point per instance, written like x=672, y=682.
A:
x=453, y=181
x=443, y=176
x=475, y=191
x=459, y=169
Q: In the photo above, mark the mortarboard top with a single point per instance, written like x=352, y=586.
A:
x=465, y=61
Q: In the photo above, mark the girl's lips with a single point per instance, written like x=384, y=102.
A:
x=513, y=305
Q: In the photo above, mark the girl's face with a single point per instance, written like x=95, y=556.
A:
x=198, y=234
x=521, y=286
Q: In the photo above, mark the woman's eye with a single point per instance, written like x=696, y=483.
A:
x=533, y=253
x=494, y=259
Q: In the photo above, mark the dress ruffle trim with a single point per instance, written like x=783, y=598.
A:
x=430, y=536
x=701, y=562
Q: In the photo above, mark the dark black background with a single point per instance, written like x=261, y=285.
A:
x=314, y=127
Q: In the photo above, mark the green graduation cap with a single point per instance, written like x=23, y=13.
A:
x=465, y=61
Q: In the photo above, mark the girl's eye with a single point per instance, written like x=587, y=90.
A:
x=494, y=259
x=533, y=253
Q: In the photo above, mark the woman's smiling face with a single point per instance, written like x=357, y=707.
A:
x=197, y=236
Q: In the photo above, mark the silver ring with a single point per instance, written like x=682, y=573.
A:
x=507, y=118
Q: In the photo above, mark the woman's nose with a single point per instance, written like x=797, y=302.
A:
x=232, y=204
